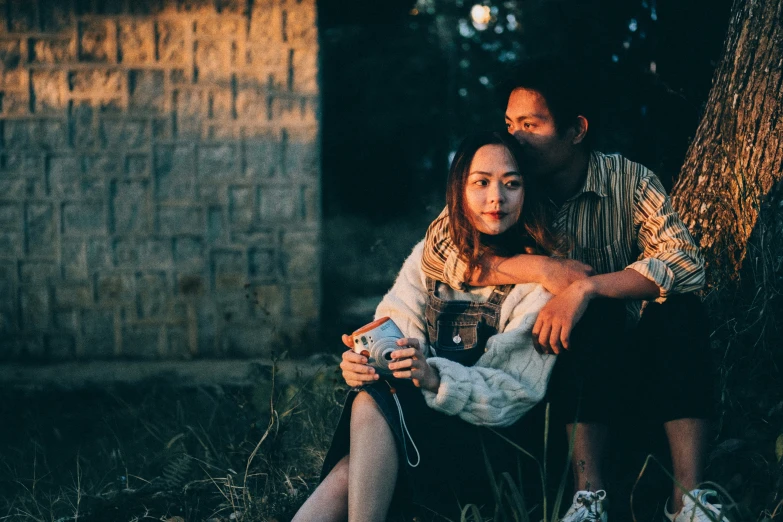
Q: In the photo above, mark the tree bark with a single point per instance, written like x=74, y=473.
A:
x=736, y=157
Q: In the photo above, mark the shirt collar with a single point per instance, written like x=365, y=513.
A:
x=597, y=180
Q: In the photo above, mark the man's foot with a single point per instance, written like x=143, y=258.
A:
x=587, y=506
x=691, y=512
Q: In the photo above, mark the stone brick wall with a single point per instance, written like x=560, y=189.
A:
x=159, y=161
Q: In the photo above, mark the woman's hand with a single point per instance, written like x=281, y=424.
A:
x=356, y=372
x=410, y=363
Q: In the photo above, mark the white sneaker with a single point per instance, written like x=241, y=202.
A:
x=587, y=506
x=691, y=512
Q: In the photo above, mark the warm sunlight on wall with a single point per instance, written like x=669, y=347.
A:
x=156, y=156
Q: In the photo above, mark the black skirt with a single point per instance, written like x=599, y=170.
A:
x=455, y=456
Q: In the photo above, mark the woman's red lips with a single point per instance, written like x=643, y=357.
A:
x=495, y=215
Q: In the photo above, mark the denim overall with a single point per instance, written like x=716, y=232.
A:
x=459, y=330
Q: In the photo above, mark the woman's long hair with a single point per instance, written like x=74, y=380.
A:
x=530, y=234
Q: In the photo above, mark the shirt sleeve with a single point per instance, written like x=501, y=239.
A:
x=507, y=381
x=669, y=255
x=440, y=258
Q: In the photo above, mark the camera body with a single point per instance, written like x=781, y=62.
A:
x=379, y=339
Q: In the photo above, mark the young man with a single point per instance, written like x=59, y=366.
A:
x=623, y=246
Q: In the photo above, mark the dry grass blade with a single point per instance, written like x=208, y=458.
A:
x=698, y=504
x=541, y=473
x=470, y=513
x=638, y=478
x=174, y=439
x=498, y=494
x=775, y=511
x=272, y=422
x=564, y=476
x=515, y=498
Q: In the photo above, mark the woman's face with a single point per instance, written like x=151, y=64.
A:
x=493, y=192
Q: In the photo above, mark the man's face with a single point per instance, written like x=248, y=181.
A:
x=528, y=119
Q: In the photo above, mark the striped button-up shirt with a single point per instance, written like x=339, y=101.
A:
x=620, y=219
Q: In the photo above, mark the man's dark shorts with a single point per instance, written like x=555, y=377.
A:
x=660, y=370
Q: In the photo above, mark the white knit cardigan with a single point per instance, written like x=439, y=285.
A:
x=507, y=381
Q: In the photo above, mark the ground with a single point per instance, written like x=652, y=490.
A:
x=156, y=449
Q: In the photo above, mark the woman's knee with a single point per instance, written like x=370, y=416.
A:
x=364, y=408
x=339, y=473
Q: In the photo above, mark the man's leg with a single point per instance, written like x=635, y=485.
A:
x=590, y=441
x=676, y=338
x=687, y=443
x=583, y=387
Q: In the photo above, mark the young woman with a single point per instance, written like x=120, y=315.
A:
x=467, y=362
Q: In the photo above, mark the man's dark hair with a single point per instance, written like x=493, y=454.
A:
x=565, y=86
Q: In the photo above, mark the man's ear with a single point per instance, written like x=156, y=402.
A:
x=579, y=129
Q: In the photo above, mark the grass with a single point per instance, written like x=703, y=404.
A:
x=156, y=451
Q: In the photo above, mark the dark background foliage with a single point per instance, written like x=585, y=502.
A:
x=403, y=81
x=392, y=75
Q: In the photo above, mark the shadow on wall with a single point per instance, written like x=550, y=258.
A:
x=361, y=263
x=155, y=158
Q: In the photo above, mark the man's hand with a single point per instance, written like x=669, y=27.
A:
x=559, y=274
x=552, y=331
x=556, y=320
x=356, y=372
x=410, y=363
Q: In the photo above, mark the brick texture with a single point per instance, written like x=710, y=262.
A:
x=159, y=178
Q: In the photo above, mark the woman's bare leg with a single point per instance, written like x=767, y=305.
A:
x=361, y=485
x=329, y=501
x=372, y=470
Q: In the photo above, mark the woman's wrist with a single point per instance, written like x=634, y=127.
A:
x=544, y=268
x=433, y=382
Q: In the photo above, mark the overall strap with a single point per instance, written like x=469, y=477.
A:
x=431, y=284
x=499, y=294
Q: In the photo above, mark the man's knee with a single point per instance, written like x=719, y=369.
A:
x=601, y=325
x=680, y=320
x=677, y=308
x=673, y=339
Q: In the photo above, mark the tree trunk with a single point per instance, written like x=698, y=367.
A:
x=736, y=157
